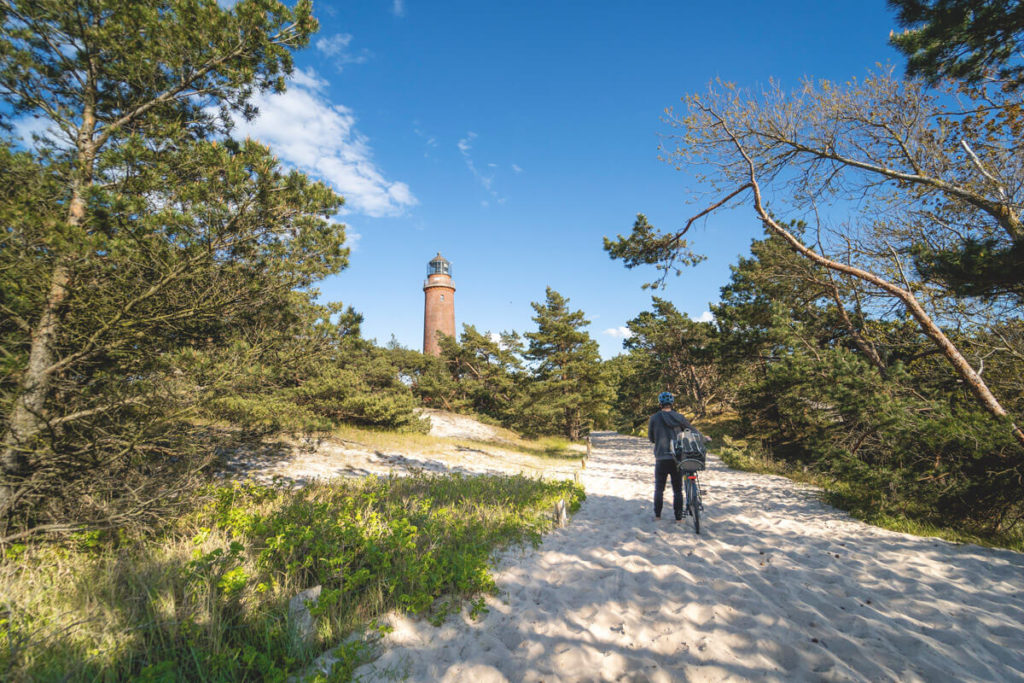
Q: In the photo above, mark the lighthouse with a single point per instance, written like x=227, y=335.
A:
x=438, y=304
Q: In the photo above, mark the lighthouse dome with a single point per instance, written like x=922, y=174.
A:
x=439, y=265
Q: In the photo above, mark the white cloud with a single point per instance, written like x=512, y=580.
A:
x=320, y=138
x=706, y=317
x=465, y=145
x=431, y=141
x=352, y=238
x=336, y=47
x=619, y=332
x=516, y=168
x=398, y=8
x=428, y=140
x=307, y=79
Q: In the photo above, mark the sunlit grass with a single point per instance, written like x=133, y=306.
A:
x=208, y=599
x=503, y=439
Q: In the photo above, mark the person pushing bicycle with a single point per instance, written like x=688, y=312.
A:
x=662, y=430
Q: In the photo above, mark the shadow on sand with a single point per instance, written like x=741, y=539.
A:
x=778, y=586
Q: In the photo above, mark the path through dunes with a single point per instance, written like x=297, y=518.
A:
x=778, y=587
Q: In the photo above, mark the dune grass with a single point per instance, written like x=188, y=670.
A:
x=546, y=447
x=207, y=599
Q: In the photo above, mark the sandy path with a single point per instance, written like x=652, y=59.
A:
x=778, y=587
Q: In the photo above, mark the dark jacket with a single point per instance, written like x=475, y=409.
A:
x=662, y=428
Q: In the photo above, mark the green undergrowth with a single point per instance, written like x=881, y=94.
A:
x=208, y=599
x=865, y=499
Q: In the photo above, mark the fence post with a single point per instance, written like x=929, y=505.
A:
x=561, y=514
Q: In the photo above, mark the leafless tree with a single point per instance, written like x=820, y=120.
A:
x=910, y=166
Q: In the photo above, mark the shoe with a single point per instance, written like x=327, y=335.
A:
x=657, y=518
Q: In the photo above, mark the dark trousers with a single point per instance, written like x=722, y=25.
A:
x=663, y=469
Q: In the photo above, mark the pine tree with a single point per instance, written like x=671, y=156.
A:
x=147, y=235
x=490, y=372
x=865, y=399
x=310, y=372
x=678, y=356
x=570, y=392
x=970, y=40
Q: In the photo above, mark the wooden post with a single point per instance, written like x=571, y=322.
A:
x=561, y=514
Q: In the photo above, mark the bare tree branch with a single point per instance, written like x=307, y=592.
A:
x=970, y=377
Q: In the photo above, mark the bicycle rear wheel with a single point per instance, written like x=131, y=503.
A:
x=696, y=507
x=693, y=500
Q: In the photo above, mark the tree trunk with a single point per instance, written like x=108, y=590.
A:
x=865, y=347
x=967, y=374
x=972, y=379
x=698, y=391
x=27, y=417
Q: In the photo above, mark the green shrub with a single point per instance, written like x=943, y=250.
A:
x=880, y=496
x=209, y=601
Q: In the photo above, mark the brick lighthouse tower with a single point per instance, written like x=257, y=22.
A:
x=438, y=305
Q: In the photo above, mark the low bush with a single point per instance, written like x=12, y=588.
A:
x=208, y=599
x=874, y=499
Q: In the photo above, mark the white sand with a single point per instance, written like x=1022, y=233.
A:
x=300, y=461
x=444, y=423
x=778, y=587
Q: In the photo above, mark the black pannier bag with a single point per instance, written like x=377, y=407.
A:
x=690, y=450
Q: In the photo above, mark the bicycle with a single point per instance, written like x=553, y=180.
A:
x=691, y=486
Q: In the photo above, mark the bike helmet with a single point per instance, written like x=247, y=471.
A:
x=666, y=399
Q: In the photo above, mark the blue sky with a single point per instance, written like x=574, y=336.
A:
x=513, y=136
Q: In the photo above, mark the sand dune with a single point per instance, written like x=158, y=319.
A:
x=300, y=461
x=779, y=587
